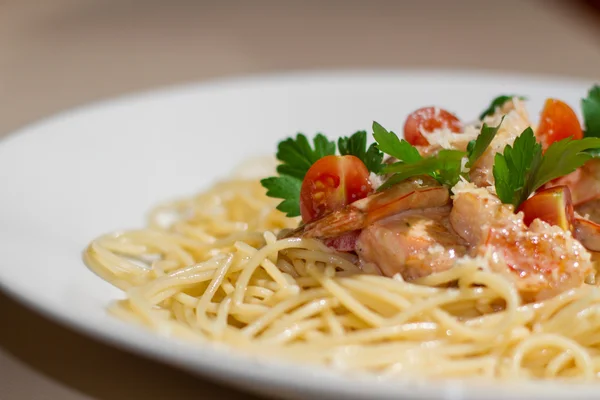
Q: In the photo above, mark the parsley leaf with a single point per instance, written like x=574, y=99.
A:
x=564, y=157
x=445, y=167
x=477, y=147
x=590, y=107
x=356, y=145
x=514, y=169
x=522, y=169
x=287, y=188
x=498, y=102
x=595, y=153
x=298, y=156
x=389, y=143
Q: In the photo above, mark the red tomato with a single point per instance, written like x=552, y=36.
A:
x=553, y=205
x=428, y=119
x=558, y=121
x=331, y=183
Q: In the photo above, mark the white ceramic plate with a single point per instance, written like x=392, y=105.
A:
x=100, y=168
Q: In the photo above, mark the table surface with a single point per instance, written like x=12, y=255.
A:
x=62, y=53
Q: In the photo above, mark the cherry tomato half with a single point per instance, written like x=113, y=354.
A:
x=558, y=121
x=331, y=183
x=553, y=205
x=428, y=119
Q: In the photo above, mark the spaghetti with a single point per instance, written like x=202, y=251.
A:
x=211, y=269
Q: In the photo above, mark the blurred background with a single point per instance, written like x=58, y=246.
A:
x=57, y=54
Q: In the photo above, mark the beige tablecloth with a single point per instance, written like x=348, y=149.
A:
x=61, y=53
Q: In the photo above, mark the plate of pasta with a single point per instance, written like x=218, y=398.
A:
x=382, y=234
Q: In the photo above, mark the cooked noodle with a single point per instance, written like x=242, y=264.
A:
x=216, y=272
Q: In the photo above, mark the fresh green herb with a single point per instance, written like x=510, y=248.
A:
x=287, y=188
x=496, y=103
x=590, y=107
x=389, y=143
x=515, y=168
x=522, y=169
x=594, y=153
x=445, y=167
x=477, y=147
x=297, y=156
x=356, y=145
x=564, y=157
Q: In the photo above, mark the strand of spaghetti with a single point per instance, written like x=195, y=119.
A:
x=219, y=274
x=325, y=257
x=557, y=364
x=505, y=290
x=448, y=276
x=113, y=263
x=220, y=322
x=187, y=300
x=525, y=316
x=580, y=356
x=399, y=302
x=188, y=277
x=158, y=239
x=275, y=312
x=205, y=240
x=350, y=321
x=590, y=339
x=333, y=324
x=466, y=366
x=167, y=328
x=265, y=283
x=190, y=317
x=95, y=265
x=287, y=267
x=423, y=330
x=227, y=286
x=345, y=298
x=399, y=286
x=259, y=291
x=267, y=264
x=280, y=295
x=565, y=313
x=178, y=311
x=299, y=267
x=270, y=238
x=249, y=309
x=431, y=353
x=256, y=259
x=163, y=295
x=304, y=312
x=138, y=303
x=425, y=305
x=124, y=313
x=205, y=266
x=157, y=268
x=119, y=246
x=295, y=330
